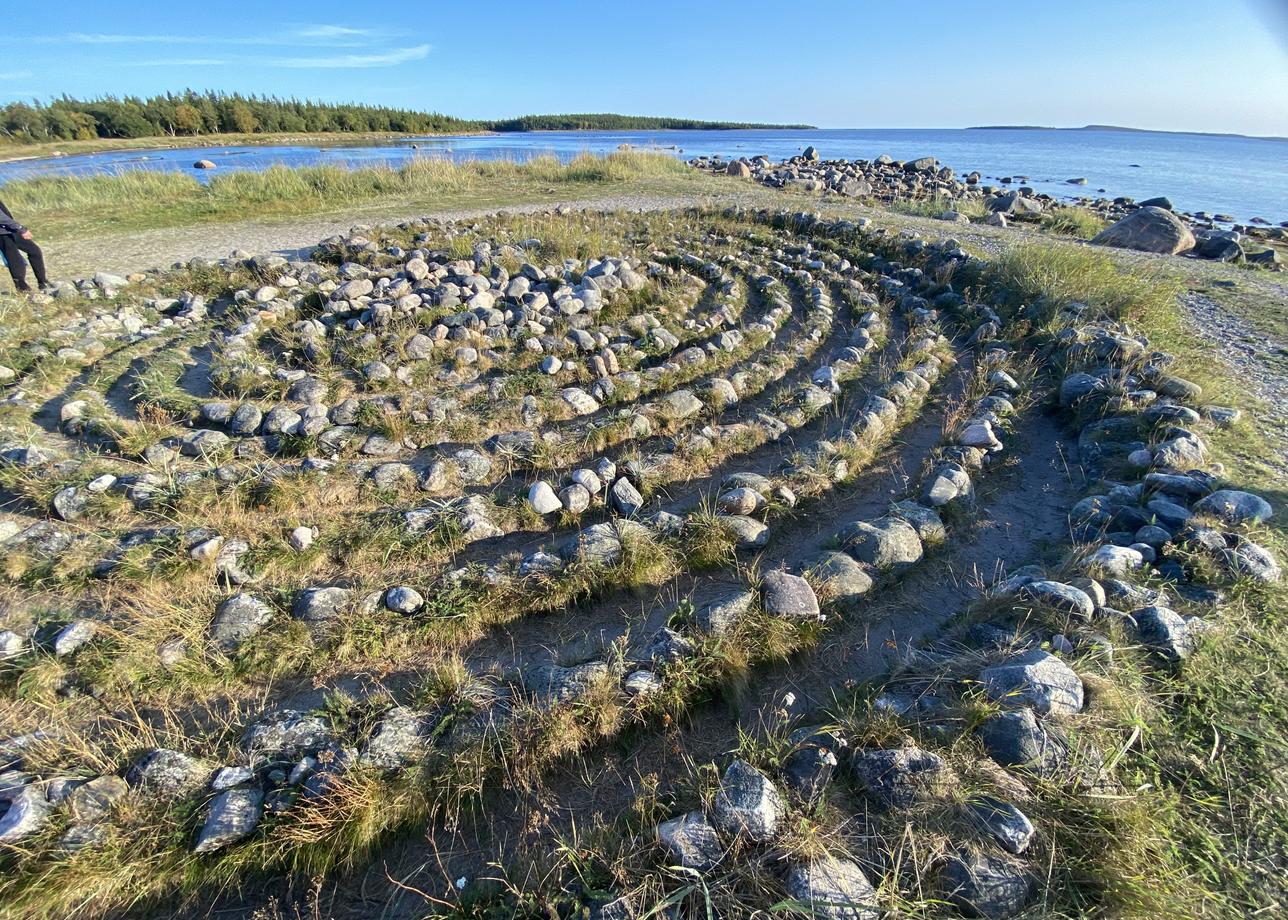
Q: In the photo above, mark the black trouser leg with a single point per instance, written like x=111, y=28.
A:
x=36, y=257
x=17, y=267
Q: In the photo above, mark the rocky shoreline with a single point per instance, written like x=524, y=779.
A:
x=1163, y=228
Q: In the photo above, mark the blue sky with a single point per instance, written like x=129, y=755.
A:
x=1203, y=65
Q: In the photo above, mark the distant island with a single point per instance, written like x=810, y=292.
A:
x=193, y=114
x=1255, y=137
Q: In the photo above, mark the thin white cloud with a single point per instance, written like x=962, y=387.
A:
x=335, y=32
x=334, y=61
x=311, y=35
x=388, y=59
x=181, y=62
x=14, y=74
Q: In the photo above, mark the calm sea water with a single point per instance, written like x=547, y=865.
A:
x=1240, y=176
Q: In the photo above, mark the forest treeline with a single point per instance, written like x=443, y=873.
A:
x=193, y=113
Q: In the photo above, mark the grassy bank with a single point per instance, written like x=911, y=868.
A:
x=74, y=206
x=13, y=151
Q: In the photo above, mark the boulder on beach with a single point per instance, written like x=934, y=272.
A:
x=1148, y=229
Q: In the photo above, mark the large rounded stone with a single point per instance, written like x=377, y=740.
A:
x=789, y=596
x=1148, y=230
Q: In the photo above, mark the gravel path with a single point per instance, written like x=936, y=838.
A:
x=1260, y=361
x=122, y=253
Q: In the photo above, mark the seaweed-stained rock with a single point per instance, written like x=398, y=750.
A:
x=899, y=777
x=167, y=774
x=1036, y=678
x=233, y=815
x=790, y=596
x=238, y=618
x=833, y=889
x=1017, y=739
x=692, y=842
x=991, y=885
x=1008, y=825
x=748, y=803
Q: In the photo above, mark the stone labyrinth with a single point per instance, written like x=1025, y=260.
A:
x=280, y=538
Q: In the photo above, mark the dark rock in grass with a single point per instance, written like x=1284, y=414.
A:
x=246, y=420
x=239, y=618
x=1059, y=596
x=288, y=735
x=667, y=647
x=166, y=775
x=27, y=813
x=233, y=816
x=399, y=740
x=1036, y=678
x=1148, y=230
x=1163, y=632
x=748, y=803
x=789, y=596
x=1017, y=739
x=809, y=768
x=843, y=581
x=82, y=836
x=1251, y=560
x=719, y=613
x=994, y=886
x=93, y=801
x=1008, y=825
x=625, y=498
x=833, y=889
x=69, y=503
x=692, y=842
x=899, y=777
x=555, y=684
x=319, y=606
x=203, y=442
x=1235, y=507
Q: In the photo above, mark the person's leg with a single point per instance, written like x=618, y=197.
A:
x=37, y=258
x=17, y=267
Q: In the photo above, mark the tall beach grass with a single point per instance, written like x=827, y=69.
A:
x=135, y=197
